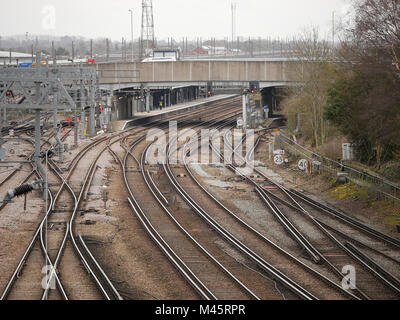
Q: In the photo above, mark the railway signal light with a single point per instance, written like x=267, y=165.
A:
x=209, y=88
x=69, y=120
x=254, y=86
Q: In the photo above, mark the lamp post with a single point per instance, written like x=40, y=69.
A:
x=27, y=43
x=131, y=11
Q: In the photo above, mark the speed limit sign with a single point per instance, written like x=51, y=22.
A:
x=278, y=159
x=303, y=163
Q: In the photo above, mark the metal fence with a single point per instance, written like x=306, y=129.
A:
x=333, y=167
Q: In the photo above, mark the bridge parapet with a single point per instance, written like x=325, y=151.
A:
x=194, y=71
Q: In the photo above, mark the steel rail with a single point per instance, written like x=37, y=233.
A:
x=71, y=231
x=26, y=254
x=374, y=271
x=30, y=247
x=264, y=196
x=40, y=229
x=161, y=243
x=295, y=234
x=63, y=243
x=380, y=273
x=347, y=219
x=99, y=269
x=358, y=242
x=321, y=276
x=129, y=153
x=187, y=234
x=286, y=281
x=288, y=226
x=168, y=252
x=332, y=212
x=9, y=176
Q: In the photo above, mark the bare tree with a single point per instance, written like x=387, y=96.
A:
x=374, y=38
x=310, y=71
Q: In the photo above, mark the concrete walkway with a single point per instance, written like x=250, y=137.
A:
x=121, y=125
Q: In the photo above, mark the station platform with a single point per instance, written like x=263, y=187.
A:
x=144, y=117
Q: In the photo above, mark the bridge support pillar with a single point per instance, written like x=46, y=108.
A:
x=128, y=107
x=135, y=106
x=148, y=101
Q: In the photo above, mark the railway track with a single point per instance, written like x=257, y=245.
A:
x=218, y=253
x=17, y=173
x=78, y=243
x=40, y=237
x=184, y=248
x=222, y=222
x=277, y=199
x=34, y=245
x=158, y=194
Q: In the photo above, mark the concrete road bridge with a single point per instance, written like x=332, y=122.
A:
x=141, y=86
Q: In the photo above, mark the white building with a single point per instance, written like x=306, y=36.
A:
x=15, y=57
x=219, y=51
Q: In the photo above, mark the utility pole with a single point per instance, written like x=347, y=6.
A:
x=82, y=103
x=36, y=157
x=107, y=49
x=131, y=11
x=122, y=49
x=27, y=43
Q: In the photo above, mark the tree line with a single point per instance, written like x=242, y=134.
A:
x=351, y=89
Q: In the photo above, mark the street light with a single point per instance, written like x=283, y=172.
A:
x=27, y=42
x=131, y=11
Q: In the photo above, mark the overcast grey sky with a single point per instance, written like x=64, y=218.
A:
x=176, y=18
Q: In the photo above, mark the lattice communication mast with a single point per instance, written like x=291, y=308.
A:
x=147, y=40
x=234, y=15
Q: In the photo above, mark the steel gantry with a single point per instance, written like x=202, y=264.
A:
x=50, y=88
